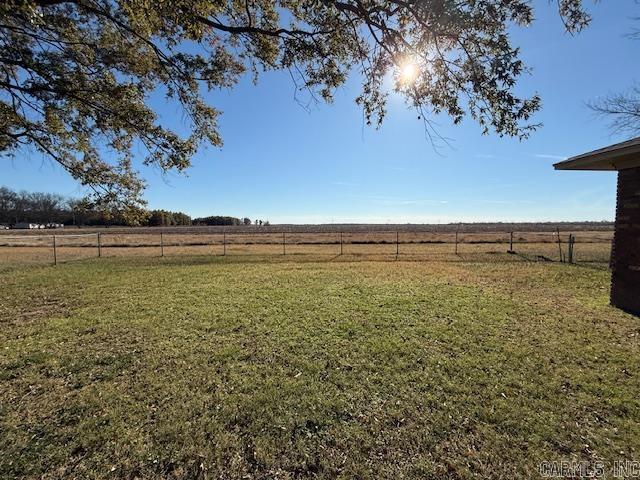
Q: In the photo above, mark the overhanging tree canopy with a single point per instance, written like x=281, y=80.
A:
x=76, y=75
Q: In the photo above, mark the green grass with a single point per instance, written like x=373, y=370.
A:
x=221, y=368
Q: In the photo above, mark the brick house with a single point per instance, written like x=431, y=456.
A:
x=625, y=254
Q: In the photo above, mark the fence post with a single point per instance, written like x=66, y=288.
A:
x=570, y=253
x=224, y=242
x=55, y=251
x=397, y=244
x=456, y=249
x=284, y=243
x=340, y=242
x=99, y=245
x=161, y=244
x=559, y=245
x=510, y=242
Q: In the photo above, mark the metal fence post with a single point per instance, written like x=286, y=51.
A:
x=224, y=243
x=284, y=243
x=161, y=244
x=55, y=252
x=510, y=242
x=340, y=242
x=397, y=244
x=559, y=245
x=570, y=253
x=456, y=248
x=99, y=245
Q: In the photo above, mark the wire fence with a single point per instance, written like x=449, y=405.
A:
x=579, y=247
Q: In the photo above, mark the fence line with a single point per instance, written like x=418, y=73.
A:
x=534, y=245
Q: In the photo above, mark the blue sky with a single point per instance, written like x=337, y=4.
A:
x=283, y=163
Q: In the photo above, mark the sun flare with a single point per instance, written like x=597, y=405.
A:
x=409, y=72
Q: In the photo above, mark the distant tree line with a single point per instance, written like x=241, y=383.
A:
x=31, y=207
x=224, y=220
x=216, y=220
x=41, y=207
x=164, y=218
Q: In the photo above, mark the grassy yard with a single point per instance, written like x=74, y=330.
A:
x=209, y=367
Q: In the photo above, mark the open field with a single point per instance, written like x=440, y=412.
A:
x=288, y=367
x=346, y=228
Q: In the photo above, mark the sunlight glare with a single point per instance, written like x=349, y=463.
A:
x=409, y=72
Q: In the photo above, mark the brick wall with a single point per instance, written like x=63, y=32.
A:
x=625, y=256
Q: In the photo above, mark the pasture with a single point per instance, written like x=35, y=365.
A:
x=475, y=242
x=312, y=367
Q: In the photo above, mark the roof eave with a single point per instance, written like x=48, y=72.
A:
x=583, y=164
x=610, y=160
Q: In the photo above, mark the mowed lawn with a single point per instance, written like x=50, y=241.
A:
x=252, y=368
